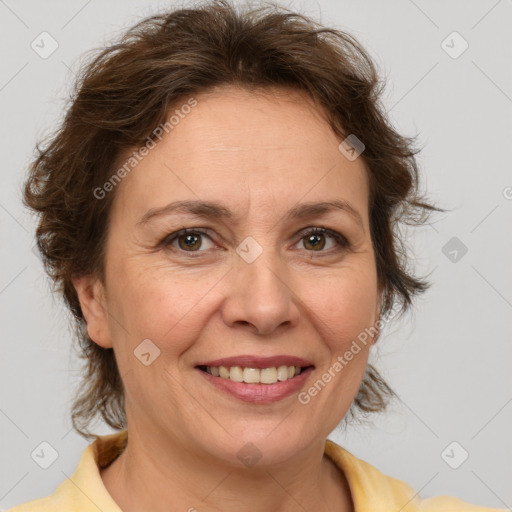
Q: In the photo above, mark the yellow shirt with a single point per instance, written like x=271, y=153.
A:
x=372, y=491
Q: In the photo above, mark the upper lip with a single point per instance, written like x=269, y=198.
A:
x=248, y=361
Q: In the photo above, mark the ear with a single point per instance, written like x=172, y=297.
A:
x=91, y=295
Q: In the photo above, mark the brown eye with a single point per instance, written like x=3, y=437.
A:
x=189, y=240
x=314, y=239
x=193, y=241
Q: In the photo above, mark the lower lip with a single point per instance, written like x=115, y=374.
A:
x=259, y=393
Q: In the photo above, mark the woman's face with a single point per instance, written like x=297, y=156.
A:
x=255, y=284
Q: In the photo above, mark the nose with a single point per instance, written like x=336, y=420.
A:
x=261, y=295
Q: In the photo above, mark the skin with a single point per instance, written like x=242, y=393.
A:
x=259, y=154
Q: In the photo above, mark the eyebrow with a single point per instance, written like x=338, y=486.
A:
x=214, y=210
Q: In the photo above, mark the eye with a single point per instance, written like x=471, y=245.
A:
x=191, y=240
x=313, y=238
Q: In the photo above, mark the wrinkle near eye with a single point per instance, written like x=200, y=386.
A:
x=334, y=243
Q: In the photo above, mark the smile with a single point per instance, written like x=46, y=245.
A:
x=250, y=375
x=256, y=392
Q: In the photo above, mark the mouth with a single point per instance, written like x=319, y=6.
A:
x=257, y=379
x=250, y=375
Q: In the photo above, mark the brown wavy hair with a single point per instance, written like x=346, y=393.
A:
x=125, y=90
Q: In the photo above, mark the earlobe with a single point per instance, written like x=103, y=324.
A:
x=91, y=295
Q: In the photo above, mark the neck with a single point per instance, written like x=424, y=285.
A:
x=152, y=476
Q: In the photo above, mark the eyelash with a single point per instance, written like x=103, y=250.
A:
x=342, y=242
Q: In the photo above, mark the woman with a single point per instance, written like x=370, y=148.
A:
x=219, y=212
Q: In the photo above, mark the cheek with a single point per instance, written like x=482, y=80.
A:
x=152, y=303
x=171, y=307
x=346, y=305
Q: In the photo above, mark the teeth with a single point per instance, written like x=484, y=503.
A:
x=251, y=375
x=236, y=373
x=282, y=373
x=254, y=375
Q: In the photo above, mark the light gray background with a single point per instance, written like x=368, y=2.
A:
x=450, y=360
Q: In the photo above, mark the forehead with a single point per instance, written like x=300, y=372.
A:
x=272, y=146
x=233, y=120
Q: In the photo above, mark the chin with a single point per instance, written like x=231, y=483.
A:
x=267, y=445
